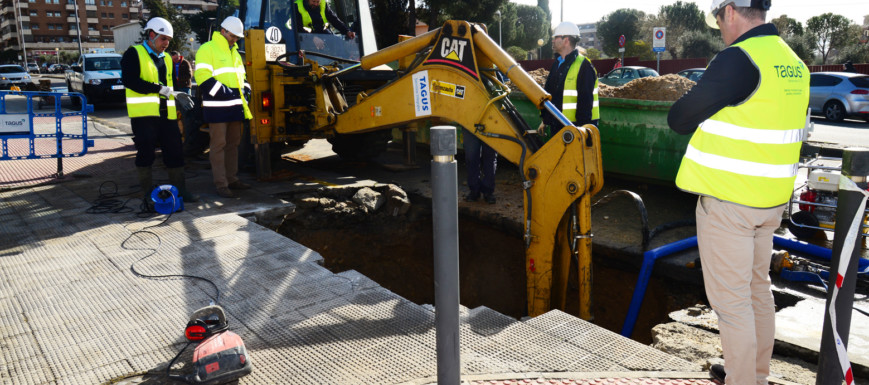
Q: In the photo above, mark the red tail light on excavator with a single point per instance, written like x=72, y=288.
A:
x=268, y=101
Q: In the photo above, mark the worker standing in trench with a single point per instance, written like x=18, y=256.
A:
x=572, y=82
x=750, y=106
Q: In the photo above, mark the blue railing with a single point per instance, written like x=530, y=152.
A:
x=66, y=125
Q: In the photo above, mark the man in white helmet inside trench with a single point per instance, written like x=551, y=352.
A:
x=147, y=77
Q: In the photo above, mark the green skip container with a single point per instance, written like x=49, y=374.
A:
x=636, y=141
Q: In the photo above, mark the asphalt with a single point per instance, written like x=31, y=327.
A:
x=74, y=311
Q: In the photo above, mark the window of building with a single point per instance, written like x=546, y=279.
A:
x=90, y=2
x=50, y=27
x=32, y=26
x=105, y=27
x=110, y=3
x=123, y=3
x=103, y=2
x=73, y=27
x=92, y=14
x=125, y=16
x=53, y=2
x=111, y=15
x=34, y=13
x=31, y=1
x=103, y=15
x=92, y=27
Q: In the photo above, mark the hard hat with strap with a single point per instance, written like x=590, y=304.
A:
x=160, y=26
x=234, y=26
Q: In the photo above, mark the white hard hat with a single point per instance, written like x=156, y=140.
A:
x=718, y=5
x=566, y=28
x=234, y=26
x=160, y=26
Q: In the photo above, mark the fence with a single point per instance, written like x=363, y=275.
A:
x=57, y=132
x=861, y=68
x=606, y=65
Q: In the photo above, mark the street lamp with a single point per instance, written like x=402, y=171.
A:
x=540, y=43
x=57, y=54
x=498, y=15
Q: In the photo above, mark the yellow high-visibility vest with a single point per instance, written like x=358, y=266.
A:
x=571, y=96
x=748, y=154
x=139, y=105
x=216, y=59
x=306, y=17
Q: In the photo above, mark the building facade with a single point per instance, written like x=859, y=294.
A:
x=588, y=36
x=45, y=28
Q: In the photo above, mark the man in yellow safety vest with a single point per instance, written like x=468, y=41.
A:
x=221, y=78
x=147, y=77
x=747, y=114
x=315, y=17
x=572, y=82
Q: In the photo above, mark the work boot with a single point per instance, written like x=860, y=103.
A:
x=146, y=181
x=239, y=185
x=176, y=178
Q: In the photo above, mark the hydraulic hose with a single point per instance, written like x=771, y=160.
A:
x=526, y=185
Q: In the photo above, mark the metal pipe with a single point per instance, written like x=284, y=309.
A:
x=445, y=224
x=509, y=67
x=399, y=50
x=833, y=364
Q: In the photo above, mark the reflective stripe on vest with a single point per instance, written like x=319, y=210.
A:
x=306, y=17
x=571, y=96
x=748, y=154
x=140, y=105
x=230, y=74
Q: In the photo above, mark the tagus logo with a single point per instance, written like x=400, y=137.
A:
x=453, y=49
x=789, y=71
x=19, y=123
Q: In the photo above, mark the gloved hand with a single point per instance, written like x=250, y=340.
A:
x=183, y=100
x=247, y=91
x=165, y=91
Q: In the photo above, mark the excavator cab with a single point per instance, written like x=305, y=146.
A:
x=286, y=36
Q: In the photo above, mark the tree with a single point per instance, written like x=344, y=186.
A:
x=620, y=22
x=680, y=18
x=592, y=53
x=546, y=49
x=533, y=24
x=517, y=53
x=205, y=22
x=699, y=44
x=436, y=12
x=390, y=19
x=828, y=31
x=787, y=26
x=802, y=47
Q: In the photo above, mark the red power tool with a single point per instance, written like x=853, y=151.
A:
x=220, y=355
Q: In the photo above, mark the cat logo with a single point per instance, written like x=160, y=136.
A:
x=454, y=52
x=453, y=49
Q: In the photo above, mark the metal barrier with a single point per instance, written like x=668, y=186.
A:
x=59, y=133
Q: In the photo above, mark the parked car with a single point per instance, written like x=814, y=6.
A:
x=98, y=77
x=838, y=95
x=620, y=76
x=32, y=68
x=14, y=75
x=692, y=73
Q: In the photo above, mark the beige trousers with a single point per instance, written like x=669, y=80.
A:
x=223, y=151
x=735, y=246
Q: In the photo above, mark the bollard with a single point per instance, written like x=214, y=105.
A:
x=445, y=224
x=833, y=363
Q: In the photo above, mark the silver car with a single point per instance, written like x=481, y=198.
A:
x=14, y=75
x=622, y=75
x=838, y=95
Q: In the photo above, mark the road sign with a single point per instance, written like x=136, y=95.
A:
x=621, y=41
x=659, y=39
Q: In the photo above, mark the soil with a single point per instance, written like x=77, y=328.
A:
x=669, y=87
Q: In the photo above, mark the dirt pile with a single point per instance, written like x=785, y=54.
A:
x=669, y=87
x=539, y=75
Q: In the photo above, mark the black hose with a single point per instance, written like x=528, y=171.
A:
x=525, y=184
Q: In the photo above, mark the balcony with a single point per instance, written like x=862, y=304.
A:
x=93, y=33
x=22, y=4
x=134, y=9
x=72, y=32
x=71, y=19
x=90, y=7
x=25, y=18
x=8, y=9
x=93, y=20
x=70, y=7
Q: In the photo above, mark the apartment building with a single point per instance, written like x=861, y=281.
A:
x=588, y=36
x=48, y=27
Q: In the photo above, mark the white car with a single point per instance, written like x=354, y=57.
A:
x=14, y=75
x=97, y=76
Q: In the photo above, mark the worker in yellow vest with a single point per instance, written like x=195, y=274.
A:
x=221, y=77
x=147, y=77
x=315, y=17
x=747, y=114
x=572, y=82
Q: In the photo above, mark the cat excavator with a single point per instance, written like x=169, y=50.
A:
x=307, y=85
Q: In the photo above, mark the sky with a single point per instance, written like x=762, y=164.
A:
x=590, y=11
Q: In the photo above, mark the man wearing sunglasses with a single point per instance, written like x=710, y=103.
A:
x=746, y=114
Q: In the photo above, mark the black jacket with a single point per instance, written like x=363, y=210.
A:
x=317, y=24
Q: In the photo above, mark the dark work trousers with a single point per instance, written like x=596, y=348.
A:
x=148, y=132
x=480, y=162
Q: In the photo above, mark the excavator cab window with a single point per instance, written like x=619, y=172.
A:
x=264, y=14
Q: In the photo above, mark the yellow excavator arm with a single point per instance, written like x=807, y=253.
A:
x=452, y=80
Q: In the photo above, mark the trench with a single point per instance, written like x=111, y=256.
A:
x=396, y=252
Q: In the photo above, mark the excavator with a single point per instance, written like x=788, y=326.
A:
x=307, y=86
